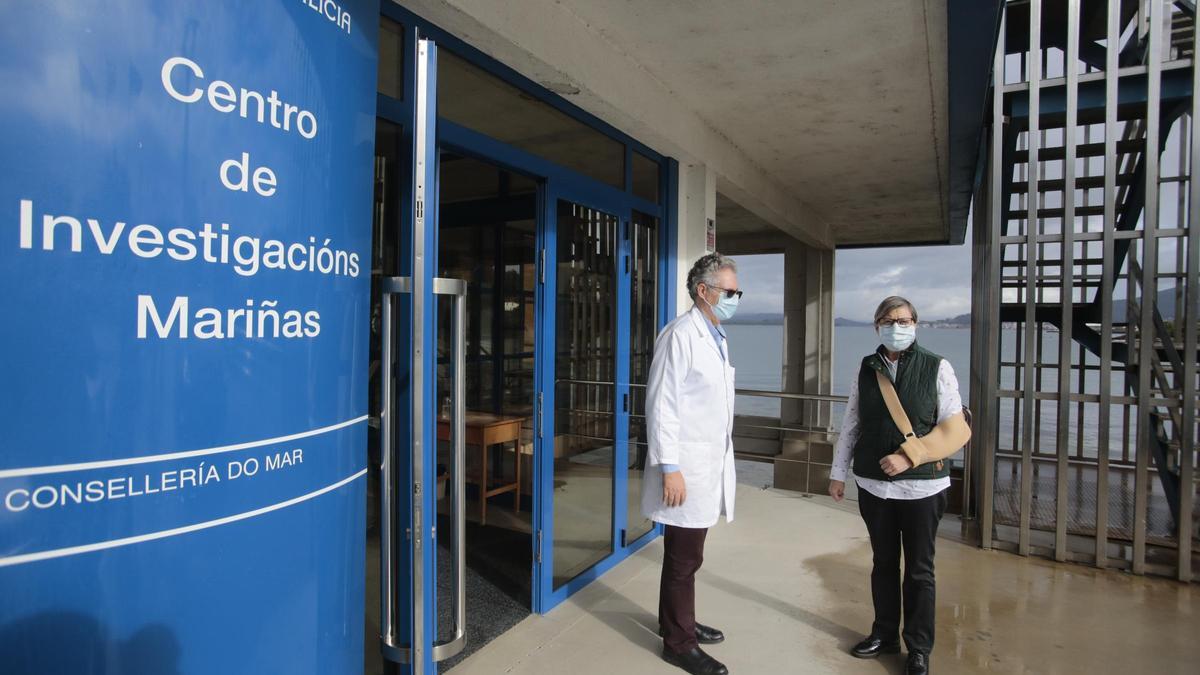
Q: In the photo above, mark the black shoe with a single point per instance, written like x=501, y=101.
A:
x=695, y=662
x=918, y=664
x=873, y=646
x=705, y=635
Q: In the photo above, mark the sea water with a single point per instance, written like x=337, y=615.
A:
x=757, y=353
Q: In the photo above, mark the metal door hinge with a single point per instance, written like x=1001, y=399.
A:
x=542, y=266
x=538, y=552
x=540, y=415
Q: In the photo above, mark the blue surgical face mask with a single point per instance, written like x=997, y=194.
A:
x=897, y=338
x=725, y=308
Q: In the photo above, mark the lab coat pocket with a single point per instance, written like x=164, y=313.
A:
x=701, y=460
x=695, y=453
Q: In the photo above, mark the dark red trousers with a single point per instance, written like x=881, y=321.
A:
x=683, y=553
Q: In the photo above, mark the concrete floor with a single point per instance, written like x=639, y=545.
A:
x=788, y=583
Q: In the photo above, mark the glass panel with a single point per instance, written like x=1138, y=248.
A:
x=480, y=101
x=585, y=371
x=643, y=327
x=486, y=235
x=391, y=59
x=645, y=177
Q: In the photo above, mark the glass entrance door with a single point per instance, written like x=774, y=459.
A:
x=585, y=457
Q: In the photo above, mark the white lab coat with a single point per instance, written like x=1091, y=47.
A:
x=689, y=421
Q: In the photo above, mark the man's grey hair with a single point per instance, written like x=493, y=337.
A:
x=705, y=271
x=891, y=304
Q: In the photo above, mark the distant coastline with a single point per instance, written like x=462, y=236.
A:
x=1165, y=304
x=772, y=319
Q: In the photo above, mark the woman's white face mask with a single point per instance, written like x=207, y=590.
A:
x=897, y=338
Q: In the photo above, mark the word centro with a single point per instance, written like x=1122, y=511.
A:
x=209, y=323
x=225, y=98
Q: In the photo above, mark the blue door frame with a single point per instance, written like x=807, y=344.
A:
x=555, y=182
x=559, y=183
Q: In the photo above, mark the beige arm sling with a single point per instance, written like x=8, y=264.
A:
x=947, y=438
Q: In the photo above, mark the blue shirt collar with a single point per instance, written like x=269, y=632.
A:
x=717, y=331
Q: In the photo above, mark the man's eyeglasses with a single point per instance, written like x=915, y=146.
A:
x=903, y=323
x=728, y=293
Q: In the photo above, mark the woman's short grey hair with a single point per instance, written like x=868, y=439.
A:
x=705, y=271
x=891, y=304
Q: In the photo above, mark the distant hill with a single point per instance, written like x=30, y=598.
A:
x=842, y=321
x=772, y=319
x=764, y=319
x=960, y=321
x=1166, y=305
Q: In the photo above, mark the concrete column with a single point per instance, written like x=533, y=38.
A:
x=697, y=203
x=807, y=332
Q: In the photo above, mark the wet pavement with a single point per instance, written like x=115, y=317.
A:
x=788, y=583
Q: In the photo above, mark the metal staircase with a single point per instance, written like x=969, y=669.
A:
x=1083, y=273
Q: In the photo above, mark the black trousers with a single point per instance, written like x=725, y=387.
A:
x=683, y=554
x=911, y=523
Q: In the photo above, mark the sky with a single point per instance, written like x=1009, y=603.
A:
x=937, y=279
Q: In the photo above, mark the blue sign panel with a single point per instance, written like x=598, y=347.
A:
x=185, y=261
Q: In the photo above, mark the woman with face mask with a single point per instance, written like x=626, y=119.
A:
x=901, y=497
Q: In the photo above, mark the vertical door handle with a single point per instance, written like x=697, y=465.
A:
x=392, y=286
x=442, y=650
x=457, y=288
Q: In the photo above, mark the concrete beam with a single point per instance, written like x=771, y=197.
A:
x=549, y=43
x=752, y=244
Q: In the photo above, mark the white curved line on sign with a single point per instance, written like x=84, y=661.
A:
x=145, y=459
x=163, y=534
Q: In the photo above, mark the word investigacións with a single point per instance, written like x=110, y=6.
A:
x=247, y=254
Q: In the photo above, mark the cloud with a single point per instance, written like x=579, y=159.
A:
x=885, y=278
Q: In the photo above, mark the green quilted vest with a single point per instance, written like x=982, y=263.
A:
x=916, y=385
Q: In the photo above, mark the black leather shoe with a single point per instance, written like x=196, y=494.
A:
x=918, y=664
x=707, y=635
x=695, y=662
x=873, y=646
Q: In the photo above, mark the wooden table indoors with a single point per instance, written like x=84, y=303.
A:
x=483, y=431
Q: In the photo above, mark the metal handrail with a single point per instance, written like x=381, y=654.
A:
x=791, y=396
x=830, y=398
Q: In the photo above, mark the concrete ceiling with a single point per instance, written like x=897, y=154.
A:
x=843, y=103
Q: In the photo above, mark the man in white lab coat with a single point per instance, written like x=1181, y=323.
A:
x=689, y=480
